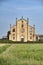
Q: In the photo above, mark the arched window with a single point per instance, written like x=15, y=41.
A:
x=13, y=30
x=22, y=25
x=13, y=38
x=30, y=29
x=30, y=37
x=22, y=21
x=30, y=33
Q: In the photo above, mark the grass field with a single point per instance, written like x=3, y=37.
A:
x=21, y=54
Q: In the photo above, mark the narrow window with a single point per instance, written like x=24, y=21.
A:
x=30, y=29
x=30, y=37
x=22, y=25
x=22, y=21
x=13, y=38
x=30, y=33
x=13, y=30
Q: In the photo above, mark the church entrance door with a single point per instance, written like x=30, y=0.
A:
x=22, y=38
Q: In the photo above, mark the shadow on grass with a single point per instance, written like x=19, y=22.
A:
x=19, y=42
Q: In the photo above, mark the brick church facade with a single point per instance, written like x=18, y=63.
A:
x=22, y=31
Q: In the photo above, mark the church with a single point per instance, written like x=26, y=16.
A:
x=22, y=31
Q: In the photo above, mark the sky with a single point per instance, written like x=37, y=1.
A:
x=10, y=9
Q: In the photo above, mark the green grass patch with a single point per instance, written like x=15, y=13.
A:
x=23, y=54
x=3, y=48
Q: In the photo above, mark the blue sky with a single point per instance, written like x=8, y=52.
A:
x=10, y=9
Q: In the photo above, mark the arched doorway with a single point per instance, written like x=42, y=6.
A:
x=22, y=38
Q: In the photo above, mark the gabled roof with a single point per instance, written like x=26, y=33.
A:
x=31, y=26
x=21, y=19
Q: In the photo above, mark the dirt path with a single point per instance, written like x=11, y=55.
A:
x=2, y=45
